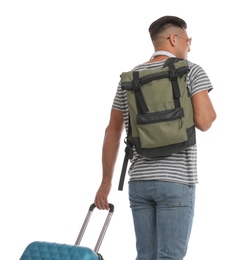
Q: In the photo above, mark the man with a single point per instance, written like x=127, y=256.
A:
x=161, y=191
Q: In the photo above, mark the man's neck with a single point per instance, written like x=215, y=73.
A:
x=162, y=53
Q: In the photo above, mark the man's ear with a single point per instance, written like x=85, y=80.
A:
x=172, y=39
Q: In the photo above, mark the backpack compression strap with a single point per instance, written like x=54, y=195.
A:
x=141, y=104
x=173, y=76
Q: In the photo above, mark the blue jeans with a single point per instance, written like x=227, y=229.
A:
x=162, y=215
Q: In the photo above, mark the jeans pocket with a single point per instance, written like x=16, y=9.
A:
x=174, y=194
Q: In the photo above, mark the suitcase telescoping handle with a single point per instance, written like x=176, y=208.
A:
x=104, y=228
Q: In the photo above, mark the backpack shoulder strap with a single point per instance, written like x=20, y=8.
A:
x=170, y=61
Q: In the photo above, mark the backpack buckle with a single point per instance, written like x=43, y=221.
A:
x=136, y=85
x=173, y=75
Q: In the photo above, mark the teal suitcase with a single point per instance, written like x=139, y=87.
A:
x=40, y=250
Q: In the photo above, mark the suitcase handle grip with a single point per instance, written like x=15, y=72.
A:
x=111, y=207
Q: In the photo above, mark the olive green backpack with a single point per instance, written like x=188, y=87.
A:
x=160, y=111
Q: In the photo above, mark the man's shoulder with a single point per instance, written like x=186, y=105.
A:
x=195, y=69
x=193, y=65
x=159, y=64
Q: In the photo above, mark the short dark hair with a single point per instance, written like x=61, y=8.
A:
x=163, y=23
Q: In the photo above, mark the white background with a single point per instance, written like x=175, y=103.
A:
x=60, y=65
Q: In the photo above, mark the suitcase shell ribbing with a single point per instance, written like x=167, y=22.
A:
x=53, y=251
x=40, y=250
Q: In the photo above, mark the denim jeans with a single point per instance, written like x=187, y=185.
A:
x=162, y=215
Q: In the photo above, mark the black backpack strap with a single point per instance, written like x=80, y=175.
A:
x=175, y=86
x=170, y=61
x=128, y=156
x=141, y=104
x=173, y=76
x=123, y=172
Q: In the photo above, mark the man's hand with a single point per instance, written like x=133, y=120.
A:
x=101, y=198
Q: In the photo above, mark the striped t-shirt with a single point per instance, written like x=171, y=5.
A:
x=179, y=167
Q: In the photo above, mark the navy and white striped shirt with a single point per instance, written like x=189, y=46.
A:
x=179, y=167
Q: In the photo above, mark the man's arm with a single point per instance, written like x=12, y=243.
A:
x=204, y=113
x=109, y=156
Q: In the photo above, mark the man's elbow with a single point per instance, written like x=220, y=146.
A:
x=203, y=124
